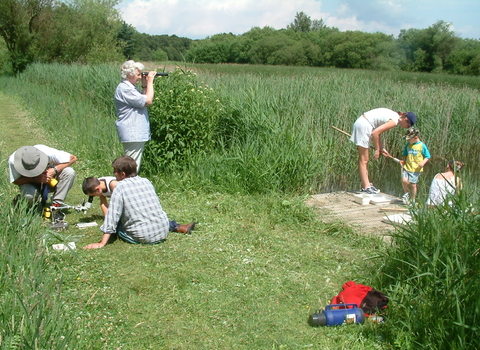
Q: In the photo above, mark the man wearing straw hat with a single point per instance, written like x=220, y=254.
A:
x=33, y=168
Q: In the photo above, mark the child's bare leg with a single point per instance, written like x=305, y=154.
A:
x=405, y=184
x=413, y=187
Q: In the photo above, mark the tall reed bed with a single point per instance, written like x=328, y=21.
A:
x=275, y=118
x=433, y=273
x=275, y=133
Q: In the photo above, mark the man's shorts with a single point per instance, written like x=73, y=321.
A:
x=362, y=132
x=411, y=177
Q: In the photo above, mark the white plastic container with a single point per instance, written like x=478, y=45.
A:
x=82, y=225
x=69, y=245
x=362, y=199
x=380, y=201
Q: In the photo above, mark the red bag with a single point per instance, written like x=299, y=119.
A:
x=368, y=299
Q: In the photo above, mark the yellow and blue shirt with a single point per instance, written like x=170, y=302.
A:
x=415, y=153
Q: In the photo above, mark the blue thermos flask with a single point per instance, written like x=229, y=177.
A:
x=336, y=315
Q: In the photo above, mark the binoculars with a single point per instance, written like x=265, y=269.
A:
x=336, y=315
x=157, y=75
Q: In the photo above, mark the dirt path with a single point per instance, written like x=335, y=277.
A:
x=365, y=219
x=18, y=128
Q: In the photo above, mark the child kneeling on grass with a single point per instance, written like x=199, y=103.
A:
x=415, y=156
x=135, y=213
x=100, y=187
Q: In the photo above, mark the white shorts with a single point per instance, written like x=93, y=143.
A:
x=362, y=132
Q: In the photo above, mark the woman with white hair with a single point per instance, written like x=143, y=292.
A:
x=133, y=125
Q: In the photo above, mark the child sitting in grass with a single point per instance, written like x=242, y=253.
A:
x=415, y=156
x=445, y=184
x=100, y=187
x=135, y=213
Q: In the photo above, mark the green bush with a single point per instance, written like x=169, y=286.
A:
x=183, y=117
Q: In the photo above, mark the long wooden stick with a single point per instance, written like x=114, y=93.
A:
x=394, y=209
x=343, y=132
x=388, y=155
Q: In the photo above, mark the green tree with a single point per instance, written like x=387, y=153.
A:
x=465, y=59
x=215, y=49
x=82, y=31
x=18, y=27
x=126, y=40
x=318, y=24
x=354, y=49
x=427, y=50
x=301, y=23
x=160, y=55
x=175, y=47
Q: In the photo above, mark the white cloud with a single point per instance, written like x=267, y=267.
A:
x=198, y=19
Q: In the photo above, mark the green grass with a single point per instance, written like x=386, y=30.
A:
x=432, y=271
x=248, y=277
x=260, y=261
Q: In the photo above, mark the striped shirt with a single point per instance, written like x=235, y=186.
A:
x=135, y=205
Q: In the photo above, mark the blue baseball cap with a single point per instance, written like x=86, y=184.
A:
x=412, y=118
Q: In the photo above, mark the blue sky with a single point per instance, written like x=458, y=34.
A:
x=197, y=19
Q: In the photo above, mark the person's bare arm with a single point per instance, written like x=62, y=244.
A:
x=22, y=180
x=376, y=136
x=103, y=242
x=103, y=204
x=147, y=85
x=52, y=172
x=423, y=162
x=62, y=166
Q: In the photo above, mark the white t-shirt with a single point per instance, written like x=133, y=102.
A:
x=439, y=190
x=380, y=116
x=364, y=126
x=108, y=180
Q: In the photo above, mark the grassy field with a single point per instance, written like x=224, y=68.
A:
x=260, y=261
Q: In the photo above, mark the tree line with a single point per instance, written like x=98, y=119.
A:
x=307, y=42
x=92, y=31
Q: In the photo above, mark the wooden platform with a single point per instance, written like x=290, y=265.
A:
x=367, y=219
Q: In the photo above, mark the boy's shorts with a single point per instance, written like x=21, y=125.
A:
x=412, y=177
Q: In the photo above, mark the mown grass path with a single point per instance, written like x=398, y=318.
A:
x=18, y=128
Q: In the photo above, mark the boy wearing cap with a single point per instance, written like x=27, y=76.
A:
x=415, y=156
x=33, y=167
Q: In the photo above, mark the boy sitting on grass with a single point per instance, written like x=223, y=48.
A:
x=135, y=213
x=415, y=156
